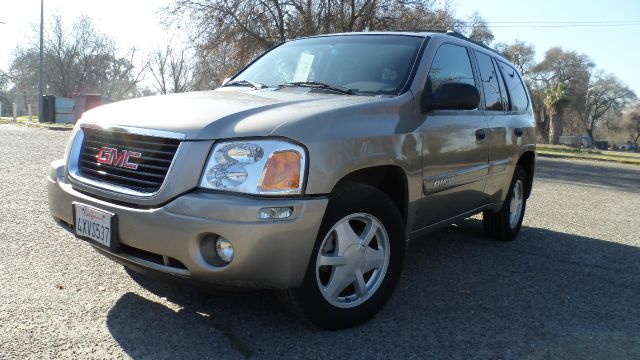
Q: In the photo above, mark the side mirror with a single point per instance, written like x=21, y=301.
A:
x=451, y=96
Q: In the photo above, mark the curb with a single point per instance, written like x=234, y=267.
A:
x=49, y=127
x=37, y=125
x=558, y=156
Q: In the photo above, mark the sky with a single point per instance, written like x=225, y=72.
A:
x=607, y=31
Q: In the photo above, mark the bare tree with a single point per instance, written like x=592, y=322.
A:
x=605, y=97
x=521, y=54
x=227, y=34
x=77, y=59
x=171, y=70
x=479, y=29
x=632, y=122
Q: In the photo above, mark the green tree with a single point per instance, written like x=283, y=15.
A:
x=563, y=77
x=556, y=99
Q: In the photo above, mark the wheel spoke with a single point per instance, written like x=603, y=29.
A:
x=374, y=259
x=345, y=236
x=339, y=281
x=331, y=260
x=361, y=285
x=368, y=233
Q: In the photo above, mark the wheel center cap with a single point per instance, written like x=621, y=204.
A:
x=356, y=256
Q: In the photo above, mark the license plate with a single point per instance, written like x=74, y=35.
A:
x=95, y=224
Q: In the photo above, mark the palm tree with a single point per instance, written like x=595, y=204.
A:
x=556, y=99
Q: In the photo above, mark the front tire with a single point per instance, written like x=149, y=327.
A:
x=505, y=224
x=356, y=261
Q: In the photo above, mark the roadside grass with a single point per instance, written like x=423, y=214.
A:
x=601, y=155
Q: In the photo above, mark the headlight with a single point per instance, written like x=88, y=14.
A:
x=265, y=167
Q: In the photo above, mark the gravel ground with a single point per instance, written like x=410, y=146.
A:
x=568, y=287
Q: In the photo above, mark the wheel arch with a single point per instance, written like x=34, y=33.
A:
x=390, y=179
x=527, y=162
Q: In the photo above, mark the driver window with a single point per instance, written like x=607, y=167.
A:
x=451, y=64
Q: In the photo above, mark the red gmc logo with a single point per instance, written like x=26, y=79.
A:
x=111, y=156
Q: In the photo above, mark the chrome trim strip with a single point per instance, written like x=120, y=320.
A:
x=136, y=131
x=499, y=166
x=74, y=172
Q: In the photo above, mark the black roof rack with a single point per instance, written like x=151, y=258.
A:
x=460, y=36
x=454, y=34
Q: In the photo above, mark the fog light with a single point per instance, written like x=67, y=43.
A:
x=275, y=213
x=224, y=249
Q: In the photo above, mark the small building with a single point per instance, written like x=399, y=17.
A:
x=58, y=109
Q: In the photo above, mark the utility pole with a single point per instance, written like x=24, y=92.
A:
x=41, y=77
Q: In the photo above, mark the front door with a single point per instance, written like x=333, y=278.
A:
x=455, y=145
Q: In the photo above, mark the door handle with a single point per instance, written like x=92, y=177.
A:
x=518, y=132
x=480, y=134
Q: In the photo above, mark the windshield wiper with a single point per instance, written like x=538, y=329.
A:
x=253, y=84
x=318, y=85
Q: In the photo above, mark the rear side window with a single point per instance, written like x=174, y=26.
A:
x=451, y=64
x=519, y=100
x=490, y=87
x=503, y=88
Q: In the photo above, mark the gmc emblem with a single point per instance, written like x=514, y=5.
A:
x=111, y=156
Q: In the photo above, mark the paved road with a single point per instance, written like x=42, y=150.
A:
x=568, y=287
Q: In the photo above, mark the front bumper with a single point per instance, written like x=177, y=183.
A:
x=268, y=254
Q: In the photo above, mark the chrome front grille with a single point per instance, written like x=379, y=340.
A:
x=104, y=157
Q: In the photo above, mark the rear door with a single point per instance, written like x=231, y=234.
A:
x=507, y=130
x=455, y=148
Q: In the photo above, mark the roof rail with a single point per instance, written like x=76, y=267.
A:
x=421, y=30
x=454, y=34
x=460, y=36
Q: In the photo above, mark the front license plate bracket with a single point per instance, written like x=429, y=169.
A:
x=98, y=226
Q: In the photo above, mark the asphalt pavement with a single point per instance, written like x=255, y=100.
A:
x=567, y=288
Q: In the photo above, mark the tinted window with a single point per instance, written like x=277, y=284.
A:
x=366, y=64
x=451, y=64
x=519, y=100
x=503, y=88
x=490, y=85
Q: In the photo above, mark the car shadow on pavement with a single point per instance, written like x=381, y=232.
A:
x=545, y=295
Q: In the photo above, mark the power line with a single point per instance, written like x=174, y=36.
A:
x=563, y=22
x=554, y=24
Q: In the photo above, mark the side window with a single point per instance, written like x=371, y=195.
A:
x=490, y=85
x=506, y=104
x=519, y=100
x=451, y=64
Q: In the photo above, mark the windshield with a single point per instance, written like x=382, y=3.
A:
x=363, y=64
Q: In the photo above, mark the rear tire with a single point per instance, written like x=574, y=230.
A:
x=356, y=261
x=505, y=224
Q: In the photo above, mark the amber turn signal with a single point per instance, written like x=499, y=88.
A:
x=282, y=172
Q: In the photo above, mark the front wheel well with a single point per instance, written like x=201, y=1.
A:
x=389, y=179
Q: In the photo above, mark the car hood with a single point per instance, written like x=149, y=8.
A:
x=221, y=113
